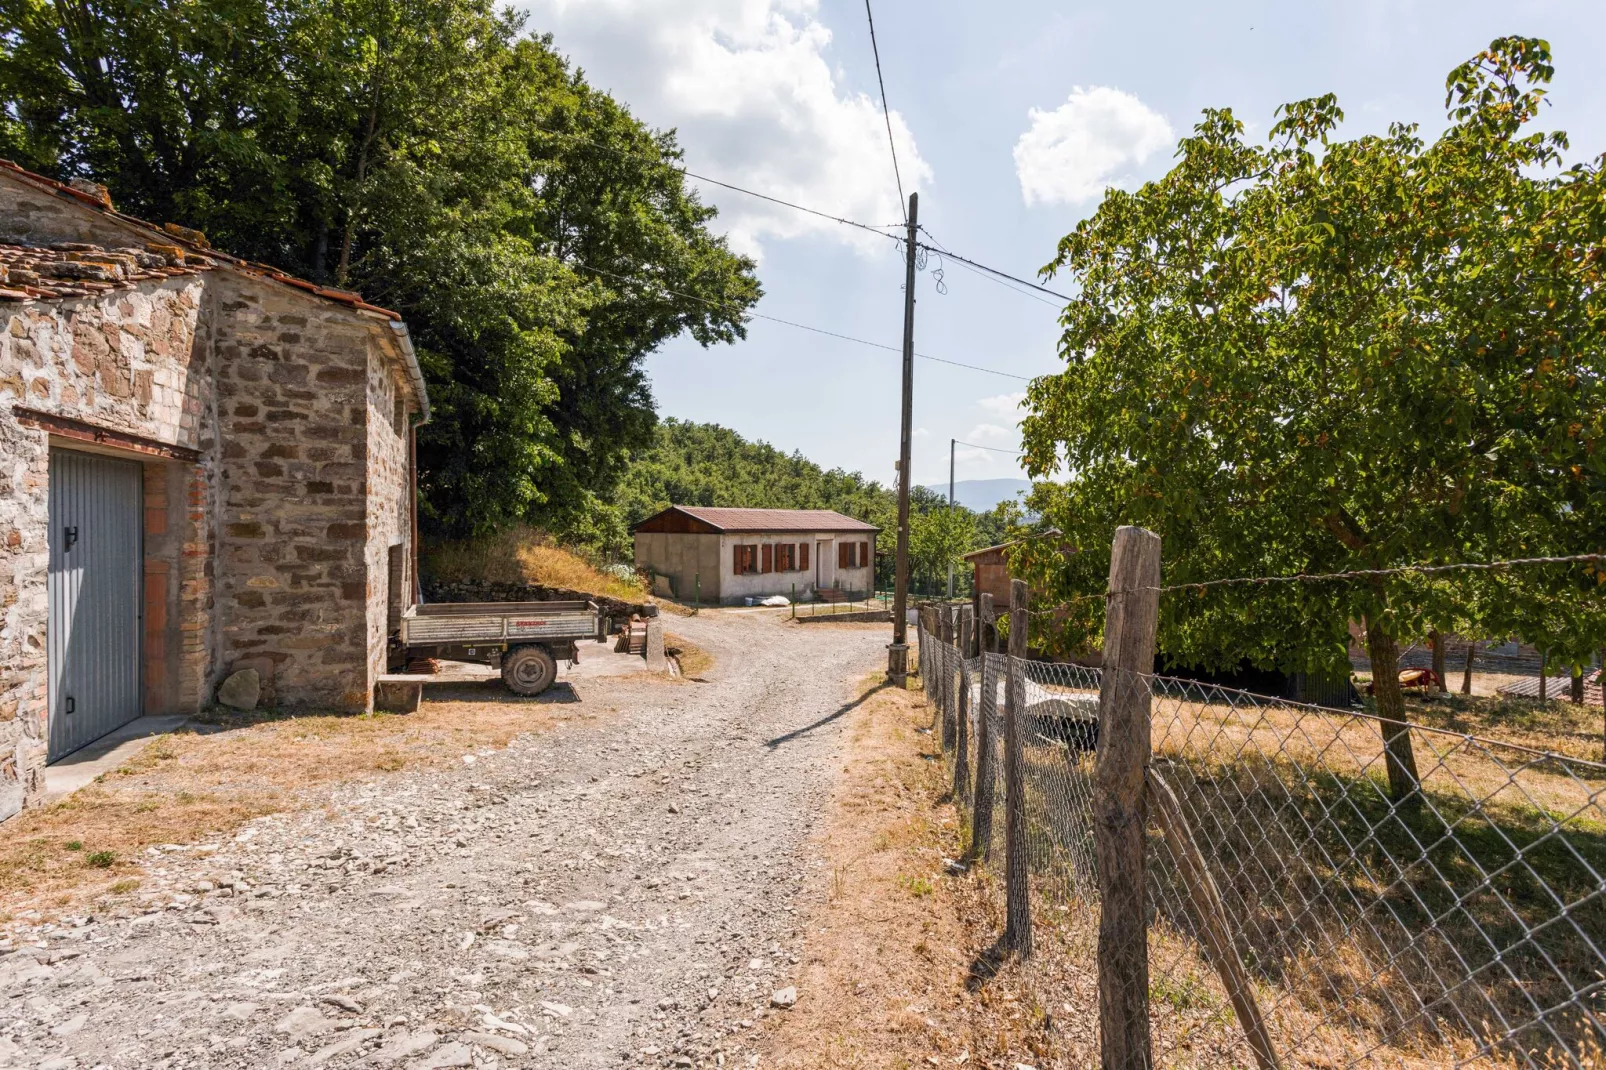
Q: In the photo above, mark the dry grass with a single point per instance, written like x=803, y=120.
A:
x=523, y=554
x=1351, y=914
x=1557, y=726
x=211, y=778
x=694, y=660
x=882, y=983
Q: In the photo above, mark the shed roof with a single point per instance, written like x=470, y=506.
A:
x=997, y=551
x=742, y=520
x=183, y=247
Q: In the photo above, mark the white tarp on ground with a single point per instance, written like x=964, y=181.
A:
x=776, y=600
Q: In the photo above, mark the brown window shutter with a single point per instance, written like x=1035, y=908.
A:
x=769, y=558
x=841, y=555
x=736, y=558
x=864, y=554
x=802, y=555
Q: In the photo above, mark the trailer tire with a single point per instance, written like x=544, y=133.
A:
x=528, y=670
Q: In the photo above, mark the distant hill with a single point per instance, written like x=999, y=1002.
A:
x=980, y=495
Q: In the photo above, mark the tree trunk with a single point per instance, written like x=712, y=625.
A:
x=1578, y=685
x=342, y=269
x=1398, y=754
x=1466, y=677
x=1543, y=683
x=1436, y=641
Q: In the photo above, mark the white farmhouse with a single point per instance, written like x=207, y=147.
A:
x=725, y=556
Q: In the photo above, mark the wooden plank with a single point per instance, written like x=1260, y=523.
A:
x=1017, y=874
x=981, y=822
x=1131, y=615
x=1208, y=911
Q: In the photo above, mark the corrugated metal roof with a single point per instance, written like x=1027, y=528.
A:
x=775, y=519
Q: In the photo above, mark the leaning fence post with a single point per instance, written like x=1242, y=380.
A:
x=981, y=824
x=962, y=740
x=1212, y=918
x=1017, y=901
x=1131, y=610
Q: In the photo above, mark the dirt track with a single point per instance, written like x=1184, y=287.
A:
x=619, y=891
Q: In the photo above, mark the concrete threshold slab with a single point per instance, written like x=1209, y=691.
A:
x=83, y=765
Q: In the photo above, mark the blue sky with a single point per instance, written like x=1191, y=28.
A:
x=1010, y=119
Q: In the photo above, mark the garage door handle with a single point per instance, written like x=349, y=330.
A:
x=70, y=537
x=72, y=704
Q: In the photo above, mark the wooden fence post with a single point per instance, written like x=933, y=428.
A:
x=981, y=823
x=1017, y=874
x=949, y=698
x=1131, y=612
x=962, y=740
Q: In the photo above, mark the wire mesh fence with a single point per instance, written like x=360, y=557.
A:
x=1286, y=890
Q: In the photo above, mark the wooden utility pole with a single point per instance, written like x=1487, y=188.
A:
x=1017, y=874
x=1131, y=614
x=898, y=652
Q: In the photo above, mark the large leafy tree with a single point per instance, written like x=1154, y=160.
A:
x=1324, y=355
x=536, y=236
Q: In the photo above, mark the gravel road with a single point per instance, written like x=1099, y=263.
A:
x=618, y=891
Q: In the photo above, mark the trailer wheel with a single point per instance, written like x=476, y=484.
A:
x=528, y=670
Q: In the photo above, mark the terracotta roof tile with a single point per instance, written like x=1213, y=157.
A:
x=737, y=520
x=196, y=243
x=78, y=269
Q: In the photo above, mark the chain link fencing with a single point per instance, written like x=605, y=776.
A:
x=1296, y=913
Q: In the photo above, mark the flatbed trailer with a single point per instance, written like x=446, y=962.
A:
x=524, y=640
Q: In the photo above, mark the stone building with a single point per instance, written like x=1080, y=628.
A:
x=724, y=556
x=205, y=465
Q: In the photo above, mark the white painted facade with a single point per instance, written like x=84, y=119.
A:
x=822, y=570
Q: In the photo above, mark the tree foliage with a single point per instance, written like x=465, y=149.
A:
x=436, y=158
x=1324, y=355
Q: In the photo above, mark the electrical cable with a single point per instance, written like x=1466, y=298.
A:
x=741, y=311
x=994, y=271
x=994, y=449
x=886, y=113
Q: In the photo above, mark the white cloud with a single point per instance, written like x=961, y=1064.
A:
x=964, y=456
x=748, y=85
x=993, y=433
x=1004, y=405
x=919, y=431
x=1094, y=140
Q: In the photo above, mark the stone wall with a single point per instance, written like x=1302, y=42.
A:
x=292, y=584
x=133, y=360
x=389, y=520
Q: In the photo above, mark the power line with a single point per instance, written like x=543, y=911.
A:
x=995, y=271
x=723, y=185
x=878, y=231
x=886, y=112
x=740, y=310
x=1329, y=577
x=994, y=449
x=942, y=251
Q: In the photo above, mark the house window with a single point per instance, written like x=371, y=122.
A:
x=744, y=558
x=852, y=554
x=786, y=557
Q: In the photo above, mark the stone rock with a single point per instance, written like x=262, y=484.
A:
x=70, y=1026
x=241, y=690
x=453, y=1054
x=239, y=1012
x=504, y=1045
x=303, y=1022
x=350, y=1042
x=402, y=1045
x=784, y=998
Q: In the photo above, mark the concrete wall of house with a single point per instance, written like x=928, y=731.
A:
x=734, y=588
x=136, y=361
x=692, y=562
x=292, y=584
x=389, y=520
